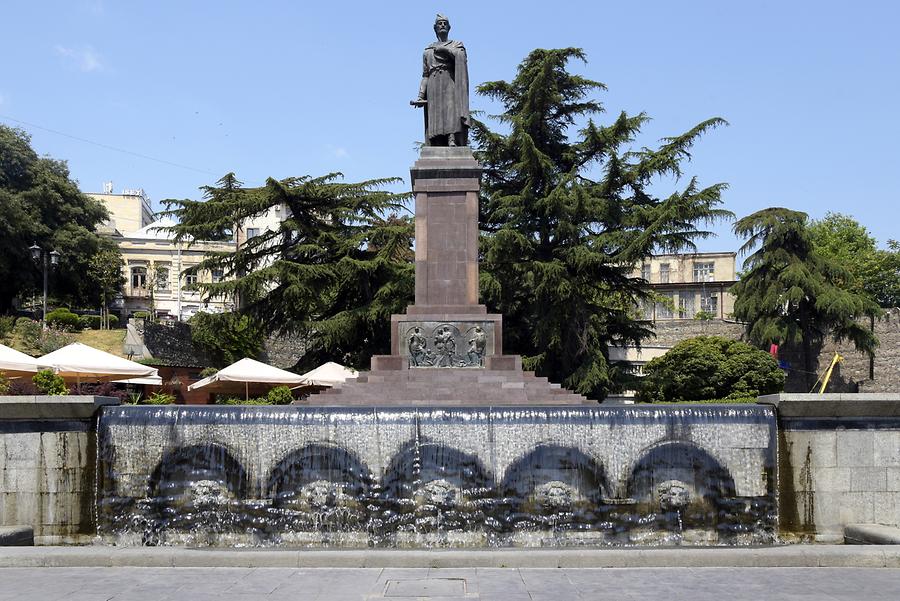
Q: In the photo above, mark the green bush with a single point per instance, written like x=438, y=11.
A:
x=113, y=321
x=29, y=331
x=4, y=384
x=93, y=322
x=226, y=337
x=208, y=371
x=710, y=367
x=63, y=319
x=160, y=398
x=236, y=401
x=141, y=315
x=280, y=395
x=53, y=339
x=7, y=323
x=49, y=383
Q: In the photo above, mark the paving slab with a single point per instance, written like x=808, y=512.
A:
x=164, y=557
x=326, y=584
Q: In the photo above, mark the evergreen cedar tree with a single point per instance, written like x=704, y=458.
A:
x=40, y=203
x=567, y=211
x=710, y=367
x=334, y=271
x=790, y=294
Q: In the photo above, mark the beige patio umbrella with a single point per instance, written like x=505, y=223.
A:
x=82, y=363
x=329, y=374
x=244, y=373
x=15, y=363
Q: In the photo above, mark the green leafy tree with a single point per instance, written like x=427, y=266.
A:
x=870, y=270
x=226, y=337
x=106, y=270
x=790, y=294
x=567, y=212
x=710, y=367
x=40, y=203
x=334, y=272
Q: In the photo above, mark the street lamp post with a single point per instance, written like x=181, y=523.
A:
x=52, y=257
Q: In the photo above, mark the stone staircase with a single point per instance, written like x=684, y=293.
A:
x=448, y=387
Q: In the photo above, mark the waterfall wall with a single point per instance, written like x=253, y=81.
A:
x=437, y=476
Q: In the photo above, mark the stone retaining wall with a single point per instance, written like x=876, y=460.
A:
x=851, y=375
x=839, y=462
x=48, y=451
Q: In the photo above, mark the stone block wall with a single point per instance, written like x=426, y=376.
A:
x=839, y=462
x=851, y=375
x=48, y=451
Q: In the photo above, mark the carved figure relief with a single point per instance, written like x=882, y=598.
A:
x=444, y=345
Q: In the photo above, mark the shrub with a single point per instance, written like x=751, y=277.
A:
x=236, y=401
x=4, y=384
x=90, y=322
x=208, y=371
x=113, y=321
x=7, y=323
x=52, y=339
x=280, y=395
x=29, y=331
x=106, y=389
x=226, y=337
x=63, y=319
x=48, y=382
x=710, y=367
x=160, y=398
x=141, y=315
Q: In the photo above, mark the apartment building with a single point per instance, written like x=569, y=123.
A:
x=155, y=264
x=688, y=284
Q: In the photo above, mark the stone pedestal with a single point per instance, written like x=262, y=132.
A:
x=447, y=349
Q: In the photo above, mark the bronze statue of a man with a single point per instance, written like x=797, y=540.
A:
x=444, y=91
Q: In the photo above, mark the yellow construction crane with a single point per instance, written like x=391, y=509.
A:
x=824, y=379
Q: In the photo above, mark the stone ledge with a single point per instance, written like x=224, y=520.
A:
x=871, y=534
x=52, y=407
x=16, y=536
x=834, y=404
x=785, y=556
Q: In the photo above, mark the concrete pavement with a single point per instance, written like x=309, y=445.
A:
x=870, y=556
x=472, y=584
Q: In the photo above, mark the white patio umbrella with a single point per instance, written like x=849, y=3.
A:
x=15, y=363
x=247, y=372
x=80, y=362
x=329, y=374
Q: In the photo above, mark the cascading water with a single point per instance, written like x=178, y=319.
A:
x=487, y=477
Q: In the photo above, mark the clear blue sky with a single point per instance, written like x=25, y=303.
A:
x=811, y=89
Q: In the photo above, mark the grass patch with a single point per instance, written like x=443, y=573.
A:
x=110, y=341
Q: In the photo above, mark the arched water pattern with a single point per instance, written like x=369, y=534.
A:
x=429, y=477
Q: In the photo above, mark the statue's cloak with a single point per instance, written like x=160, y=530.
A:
x=447, y=89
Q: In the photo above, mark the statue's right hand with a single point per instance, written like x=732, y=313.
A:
x=418, y=102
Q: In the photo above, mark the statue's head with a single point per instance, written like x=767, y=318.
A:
x=441, y=25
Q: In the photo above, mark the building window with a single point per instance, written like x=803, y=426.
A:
x=252, y=232
x=190, y=281
x=709, y=302
x=646, y=309
x=686, y=305
x=664, y=308
x=645, y=271
x=704, y=272
x=138, y=277
x=218, y=275
x=162, y=278
x=663, y=273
